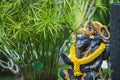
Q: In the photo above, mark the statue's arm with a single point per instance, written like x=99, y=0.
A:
x=66, y=59
x=94, y=65
x=106, y=53
x=97, y=63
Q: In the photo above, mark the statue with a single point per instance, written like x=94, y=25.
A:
x=92, y=46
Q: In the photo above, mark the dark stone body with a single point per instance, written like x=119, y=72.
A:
x=83, y=42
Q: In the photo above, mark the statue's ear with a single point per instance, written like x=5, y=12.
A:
x=66, y=59
x=104, y=32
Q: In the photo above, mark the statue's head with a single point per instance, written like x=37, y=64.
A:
x=82, y=41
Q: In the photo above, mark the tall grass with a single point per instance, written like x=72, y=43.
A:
x=32, y=33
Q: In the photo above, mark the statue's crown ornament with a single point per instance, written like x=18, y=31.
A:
x=91, y=28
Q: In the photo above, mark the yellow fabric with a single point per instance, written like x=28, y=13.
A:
x=77, y=62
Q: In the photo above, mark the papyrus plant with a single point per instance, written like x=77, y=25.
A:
x=31, y=35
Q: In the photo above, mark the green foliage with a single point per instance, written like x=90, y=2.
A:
x=34, y=31
x=107, y=74
x=84, y=10
x=114, y=1
x=102, y=13
x=7, y=78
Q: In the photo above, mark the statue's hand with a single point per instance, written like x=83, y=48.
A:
x=88, y=68
x=66, y=59
x=85, y=69
x=63, y=56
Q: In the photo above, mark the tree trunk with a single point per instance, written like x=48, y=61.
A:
x=19, y=76
x=115, y=40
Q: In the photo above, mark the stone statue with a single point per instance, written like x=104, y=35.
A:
x=91, y=47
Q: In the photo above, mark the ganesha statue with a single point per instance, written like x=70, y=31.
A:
x=91, y=47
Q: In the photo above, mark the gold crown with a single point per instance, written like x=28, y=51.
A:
x=90, y=28
x=86, y=29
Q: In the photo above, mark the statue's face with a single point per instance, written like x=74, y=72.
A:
x=82, y=41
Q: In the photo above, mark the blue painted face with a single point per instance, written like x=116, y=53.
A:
x=82, y=41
